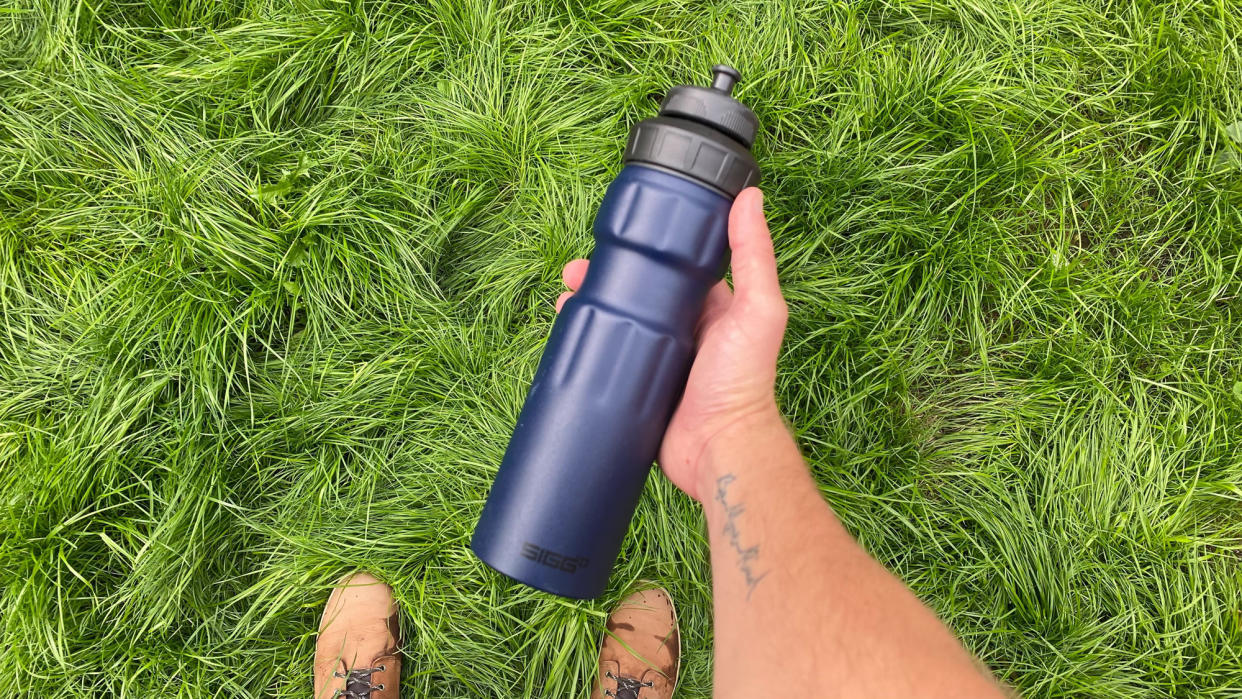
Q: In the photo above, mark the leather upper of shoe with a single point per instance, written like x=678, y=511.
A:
x=641, y=649
x=356, y=654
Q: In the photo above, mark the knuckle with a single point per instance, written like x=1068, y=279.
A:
x=776, y=308
x=770, y=308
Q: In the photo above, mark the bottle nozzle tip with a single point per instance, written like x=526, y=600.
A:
x=724, y=78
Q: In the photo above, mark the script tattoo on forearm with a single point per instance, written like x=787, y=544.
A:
x=747, y=557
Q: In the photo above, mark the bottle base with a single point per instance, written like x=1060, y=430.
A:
x=520, y=570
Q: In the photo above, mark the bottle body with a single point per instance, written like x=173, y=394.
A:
x=611, y=374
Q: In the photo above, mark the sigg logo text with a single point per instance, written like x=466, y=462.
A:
x=553, y=559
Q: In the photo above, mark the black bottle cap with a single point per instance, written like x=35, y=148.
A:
x=703, y=133
x=714, y=106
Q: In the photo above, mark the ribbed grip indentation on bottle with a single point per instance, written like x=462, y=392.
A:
x=680, y=229
x=641, y=357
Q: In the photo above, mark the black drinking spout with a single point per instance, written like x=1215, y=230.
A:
x=724, y=78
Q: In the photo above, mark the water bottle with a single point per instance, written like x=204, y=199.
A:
x=619, y=353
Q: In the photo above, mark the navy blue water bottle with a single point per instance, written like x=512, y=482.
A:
x=616, y=362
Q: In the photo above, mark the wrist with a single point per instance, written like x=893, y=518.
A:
x=742, y=444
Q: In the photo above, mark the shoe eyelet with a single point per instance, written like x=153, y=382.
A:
x=381, y=668
x=379, y=686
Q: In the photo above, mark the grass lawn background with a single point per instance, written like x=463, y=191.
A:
x=274, y=277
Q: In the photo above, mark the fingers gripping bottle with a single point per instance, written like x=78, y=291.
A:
x=617, y=360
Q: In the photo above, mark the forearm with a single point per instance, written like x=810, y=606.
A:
x=800, y=606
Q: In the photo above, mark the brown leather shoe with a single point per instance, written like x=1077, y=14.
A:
x=356, y=654
x=639, y=655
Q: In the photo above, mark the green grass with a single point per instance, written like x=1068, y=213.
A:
x=274, y=277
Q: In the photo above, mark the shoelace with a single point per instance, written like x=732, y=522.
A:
x=627, y=687
x=358, y=683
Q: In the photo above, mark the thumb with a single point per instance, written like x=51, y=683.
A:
x=753, y=259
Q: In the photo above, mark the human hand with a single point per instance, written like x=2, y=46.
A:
x=732, y=381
